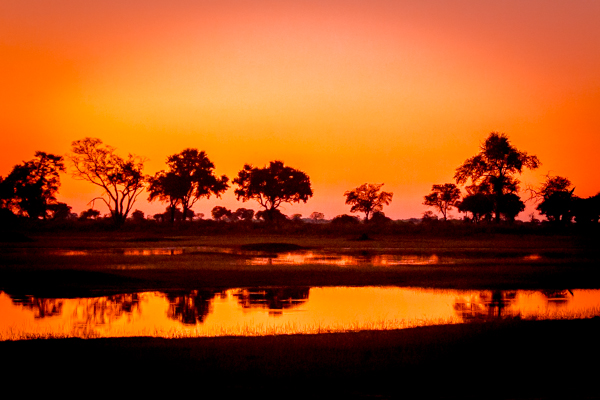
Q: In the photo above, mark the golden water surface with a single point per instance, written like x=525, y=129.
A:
x=278, y=311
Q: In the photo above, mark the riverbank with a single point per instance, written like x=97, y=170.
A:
x=501, y=359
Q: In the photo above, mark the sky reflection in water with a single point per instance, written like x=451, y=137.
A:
x=351, y=257
x=261, y=311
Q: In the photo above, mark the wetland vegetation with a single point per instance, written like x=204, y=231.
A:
x=69, y=263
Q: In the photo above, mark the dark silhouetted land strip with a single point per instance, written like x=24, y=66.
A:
x=504, y=359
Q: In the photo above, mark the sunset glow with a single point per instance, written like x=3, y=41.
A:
x=394, y=92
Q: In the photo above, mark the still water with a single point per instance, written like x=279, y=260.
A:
x=261, y=311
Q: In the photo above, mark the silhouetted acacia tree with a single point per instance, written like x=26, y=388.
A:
x=443, y=198
x=189, y=178
x=30, y=188
x=368, y=198
x=271, y=186
x=121, y=179
x=493, y=169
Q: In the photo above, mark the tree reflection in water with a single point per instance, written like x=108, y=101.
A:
x=41, y=307
x=557, y=297
x=95, y=312
x=274, y=299
x=486, y=306
x=190, y=307
x=497, y=304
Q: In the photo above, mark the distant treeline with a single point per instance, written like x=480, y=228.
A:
x=29, y=191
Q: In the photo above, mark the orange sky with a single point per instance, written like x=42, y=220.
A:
x=348, y=91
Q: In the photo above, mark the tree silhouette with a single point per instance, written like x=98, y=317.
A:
x=316, y=216
x=220, y=213
x=480, y=205
x=166, y=187
x=345, y=219
x=493, y=169
x=271, y=186
x=557, y=199
x=586, y=211
x=443, y=198
x=368, y=199
x=121, y=179
x=510, y=205
x=244, y=214
x=89, y=214
x=189, y=178
x=60, y=211
x=30, y=188
x=138, y=216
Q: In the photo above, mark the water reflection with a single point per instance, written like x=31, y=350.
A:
x=256, y=311
x=383, y=257
x=190, y=308
x=273, y=299
x=362, y=258
x=558, y=297
x=41, y=307
x=487, y=305
x=90, y=313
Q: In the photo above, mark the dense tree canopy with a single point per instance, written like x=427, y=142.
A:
x=493, y=170
x=220, y=213
x=556, y=195
x=30, y=188
x=368, y=198
x=273, y=185
x=189, y=178
x=121, y=179
x=244, y=214
x=480, y=205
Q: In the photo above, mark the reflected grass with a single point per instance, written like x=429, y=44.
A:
x=291, y=328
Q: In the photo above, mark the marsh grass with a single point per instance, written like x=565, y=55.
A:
x=289, y=328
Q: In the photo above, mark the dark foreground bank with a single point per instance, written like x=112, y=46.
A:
x=505, y=359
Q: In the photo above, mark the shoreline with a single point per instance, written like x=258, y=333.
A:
x=438, y=361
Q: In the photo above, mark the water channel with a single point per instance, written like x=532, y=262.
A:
x=263, y=311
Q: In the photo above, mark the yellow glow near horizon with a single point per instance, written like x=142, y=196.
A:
x=349, y=92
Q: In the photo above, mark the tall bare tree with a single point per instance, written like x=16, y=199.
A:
x=443, y=198
x=121, y=179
